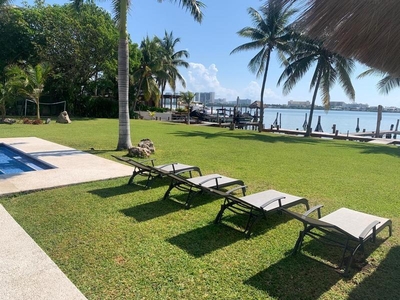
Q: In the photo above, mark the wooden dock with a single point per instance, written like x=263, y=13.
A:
x=349, y=137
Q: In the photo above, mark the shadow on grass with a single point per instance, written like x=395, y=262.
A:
x=151, y=210
x=366, y=148
x=295, y=277
x=115, y=190
x=204, y=240
x=128, y=188
x=238, y=222
x=383, y=283
x=331, y=256
x=267, y=138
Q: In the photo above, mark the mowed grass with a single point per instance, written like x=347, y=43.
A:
x=116, y=241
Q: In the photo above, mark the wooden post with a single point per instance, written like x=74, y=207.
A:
x=378, y=121
x=334, y=128
x=396, y=128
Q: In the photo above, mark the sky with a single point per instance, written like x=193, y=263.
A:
x=213, y=68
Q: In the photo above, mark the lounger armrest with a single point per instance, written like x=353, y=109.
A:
x=241, y=187
x=209, y=179
x=367, y=229
x=312, y=209
x=186, y=170
x=272, y=201
x=166, y=165
x=150, y=159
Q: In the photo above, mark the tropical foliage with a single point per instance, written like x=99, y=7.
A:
x=29, y=81
x=270, y=32
x=386, y=84
x=187, y=98
x=330, y=67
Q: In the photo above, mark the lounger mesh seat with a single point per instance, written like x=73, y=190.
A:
x=204, y=183
x=346, y=228
x=152, y=171
x=257, y=205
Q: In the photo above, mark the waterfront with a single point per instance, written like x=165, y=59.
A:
x=346, y=121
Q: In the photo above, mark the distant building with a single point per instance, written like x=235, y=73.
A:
x=244, y=102
x=337, y=104
x=205, y=98
x=302, y=104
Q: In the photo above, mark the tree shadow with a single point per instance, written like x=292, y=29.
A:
x=295, y=277
x=365, y=148
x=151, y=210
x=383, y=282
x=266, y=138
x=204, y=240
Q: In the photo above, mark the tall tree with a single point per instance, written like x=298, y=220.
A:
x=386, y=84
x=187, y=98
x=120, y=12
x=270, y=32
x=29, y=81
x=151, y=66
x=330, y=67
x=173, y=60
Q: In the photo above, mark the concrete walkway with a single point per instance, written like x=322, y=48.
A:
x=71, y=166
x=26, y=272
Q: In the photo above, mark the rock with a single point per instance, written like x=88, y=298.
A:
x=139, y=152
x=63, y=118
x=148, y=144
x=8, y=121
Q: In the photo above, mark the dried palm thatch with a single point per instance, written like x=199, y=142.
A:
x=366, y=30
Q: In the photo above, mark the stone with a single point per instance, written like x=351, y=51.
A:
x=148, y=144
x=139, y=152
x=63, y=118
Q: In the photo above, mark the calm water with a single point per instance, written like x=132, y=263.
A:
x=346, y=121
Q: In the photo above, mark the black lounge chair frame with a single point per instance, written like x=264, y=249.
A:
x=200, y=184
x=152, y=171
x=330, y=234
x=267, y=202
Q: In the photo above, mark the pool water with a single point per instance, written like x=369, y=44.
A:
x=13, y=161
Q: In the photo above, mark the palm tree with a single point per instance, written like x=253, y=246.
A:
x=120, y=13
x=187, y=98
x=173, y=60
x=386, y=84
x=29, y=81
x=145, y=76
x=330, y=67
x=270, y=32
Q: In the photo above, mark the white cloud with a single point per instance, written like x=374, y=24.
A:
x=200, y=78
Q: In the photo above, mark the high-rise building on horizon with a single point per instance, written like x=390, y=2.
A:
x=205, y=97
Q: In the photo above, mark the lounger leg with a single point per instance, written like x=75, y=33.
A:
x=188, y=199
x=166, y=195
x=132, y=177
x=220, y=213
x=299, y=241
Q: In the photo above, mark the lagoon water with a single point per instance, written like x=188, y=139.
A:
x=346, y=121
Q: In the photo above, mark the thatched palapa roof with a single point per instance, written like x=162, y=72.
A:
x=366, y=30
x=257, y=104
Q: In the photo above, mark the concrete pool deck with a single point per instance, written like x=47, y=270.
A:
x=71, y=167
x=26, y=272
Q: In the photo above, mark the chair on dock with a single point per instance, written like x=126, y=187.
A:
x=199, y=184
x=345, y=228
x=257, y=205
x=152, y=171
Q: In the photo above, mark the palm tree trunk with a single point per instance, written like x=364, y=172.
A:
x=37, y=109
x=124, y=136
x=309, y=126
x=260, y=124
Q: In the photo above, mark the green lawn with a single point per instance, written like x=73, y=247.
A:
x=124, y=242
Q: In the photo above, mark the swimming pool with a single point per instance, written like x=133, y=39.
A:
x=13, y=161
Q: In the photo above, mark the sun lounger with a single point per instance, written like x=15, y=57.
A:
x=204, y=183
x=152, y=171
x=346, y=228
x=257, y=205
